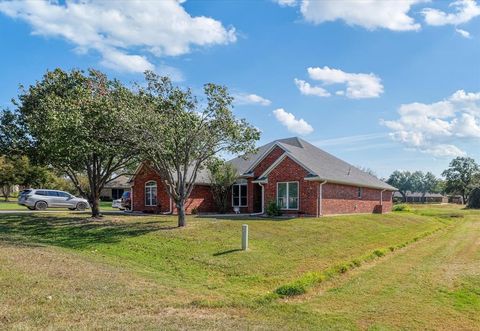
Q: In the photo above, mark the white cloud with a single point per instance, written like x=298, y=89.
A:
x=117, y=60
x=369, y=14
x=116, y=29
x=435, y=128
x=307, y=89
x=465, y=10
x=444, y=151
x=250, y=99
x=460, y=95
x=463, y=33
x=297, y=126
x=175, y=74
x=289, y=3
x=358, y=85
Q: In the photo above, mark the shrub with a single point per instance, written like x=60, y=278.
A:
x=474, y=199
x=273, y=209
x=401, y=207
x=378, y=252
x=342, y=268
x=292, y=289
x=357, y=263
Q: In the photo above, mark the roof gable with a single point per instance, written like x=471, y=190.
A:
x=322, y=165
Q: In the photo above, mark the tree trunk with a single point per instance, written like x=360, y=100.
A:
x=182, y=221
x=95, y=204
x=404, y=196
x=6, y=192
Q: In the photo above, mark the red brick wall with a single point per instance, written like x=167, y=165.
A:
x=259, y=169
x=288, y=171
x=343, y=199
x=145, y=175
x=263, y=165
x=337, y=199
x=201, y=197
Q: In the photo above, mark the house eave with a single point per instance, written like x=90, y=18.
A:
x=341, y=182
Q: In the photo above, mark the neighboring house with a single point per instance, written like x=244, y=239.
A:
x=299, y=177
x=458, y=199
x=418, y=197
x=114, y=189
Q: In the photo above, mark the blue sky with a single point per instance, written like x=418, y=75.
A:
x=381, y=84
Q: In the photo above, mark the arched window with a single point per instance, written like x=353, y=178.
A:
x=151, y=193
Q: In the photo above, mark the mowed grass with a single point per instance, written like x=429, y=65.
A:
x=64, y=271
x=13, y=205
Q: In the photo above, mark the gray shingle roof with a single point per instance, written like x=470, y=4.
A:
x=119, y=182
x=418, y=195
x=320, y=163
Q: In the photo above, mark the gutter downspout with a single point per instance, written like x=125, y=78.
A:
x=131, y=199
x=320, y=199
x=263, y=201
x=381, y=197
x=170, y=211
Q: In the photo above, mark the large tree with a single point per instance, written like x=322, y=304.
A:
x=423, y=182
x=75, y=122
x=462, y=176
x=177, y=134
x=222, y=176
x=12, y=172
x=402, y=180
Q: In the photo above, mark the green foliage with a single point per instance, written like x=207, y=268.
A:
x=417, y=181
x=291, y=289
x=178, y=134
x=462, y=176
x=379, y=252
x=401, y=207
x=273, y=209
x=75, y=122
x=17, y=170
x=402, y=181
x=222, y=176
x=474, y=200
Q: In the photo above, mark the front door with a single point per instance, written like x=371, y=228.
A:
x=257, y=198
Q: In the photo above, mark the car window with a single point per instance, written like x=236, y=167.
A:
x=52, y=194
x=41, y=193
x=24, y=192
x=126, y=195
x=63, y=194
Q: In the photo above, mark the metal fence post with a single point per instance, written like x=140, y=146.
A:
x=244, y=237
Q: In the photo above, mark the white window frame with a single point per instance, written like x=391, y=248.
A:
x=240, y=194
x=288, y=191
x=150, y=187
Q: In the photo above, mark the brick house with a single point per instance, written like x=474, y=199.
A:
x=299, y=177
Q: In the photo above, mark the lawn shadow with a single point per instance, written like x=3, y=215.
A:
x=227, y=252
x=230, y=217
x=72, y=232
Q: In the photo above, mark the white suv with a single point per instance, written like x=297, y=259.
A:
x=43, y=199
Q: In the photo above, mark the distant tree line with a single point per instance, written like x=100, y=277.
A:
x=460, y=178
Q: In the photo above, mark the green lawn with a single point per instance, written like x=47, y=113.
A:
x=415, y=270
x=13, y=205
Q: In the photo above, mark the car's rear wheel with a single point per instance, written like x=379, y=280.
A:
x=41, y=205
x=81, y=206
